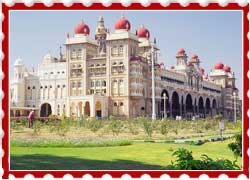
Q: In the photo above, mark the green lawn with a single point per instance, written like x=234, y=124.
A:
x=139, y=155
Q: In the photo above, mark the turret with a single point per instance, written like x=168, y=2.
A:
x=19, y=83
x=181, y=57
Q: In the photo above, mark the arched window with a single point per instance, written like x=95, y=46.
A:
x=121, y=86
x=58, y=109
x=64, y=108
x=120, y=50
x=104, y=83
x=115, y=87
x=92, y=84
x=79, y=84
x=97, y=83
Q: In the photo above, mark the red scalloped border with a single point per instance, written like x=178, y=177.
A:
x=119, y=173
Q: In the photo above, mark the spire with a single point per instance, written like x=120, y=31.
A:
x=61, y=55
x=100, y=29
x=155, y=40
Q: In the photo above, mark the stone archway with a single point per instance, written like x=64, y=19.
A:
x=175, y=104
x=208, y=107
x=98, y=109
x=87, y=109
x=189, y=106
x=45, y=110
x=201, y=109
x=80, y=113
x=214, y=107
x=167, y=110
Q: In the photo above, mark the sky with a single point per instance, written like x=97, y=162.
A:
x=215, y=36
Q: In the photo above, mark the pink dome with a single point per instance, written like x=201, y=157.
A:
x=181, y=51
x=202, y=71
x=205, y=77
x=189, y=63
x=161, y=64
x=219, y=65
x=142, y=32
x=122, y=23
x=227, y=68
x=194, y=56
x=82, y=28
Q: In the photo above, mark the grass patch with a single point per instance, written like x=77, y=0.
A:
x=68, y=143
x=139, y=155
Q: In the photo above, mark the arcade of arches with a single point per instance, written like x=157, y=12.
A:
x=186, y=105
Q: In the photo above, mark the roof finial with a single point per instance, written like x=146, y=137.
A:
x=61, y=52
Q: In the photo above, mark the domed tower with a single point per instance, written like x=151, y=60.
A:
x=101, y=34
x=195, y=60
x=145, y=46
x=19, y=83
x=218, y=75
x=142, y=33
x=82, y=29
x=181, y=57
x=122, y=24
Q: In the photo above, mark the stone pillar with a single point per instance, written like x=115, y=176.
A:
x=170, y=109
x=92, y=109
x=180, y=109
x=185, y=111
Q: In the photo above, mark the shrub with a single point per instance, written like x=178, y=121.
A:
x=94, y=125
x=116, y=127
x=37, y=125
x=185, y=161
x=164, y=127
x=236, y=146
x=148, y=126
x=68, y=143
x=60, y=127
x=175, y=130
x=133, y=126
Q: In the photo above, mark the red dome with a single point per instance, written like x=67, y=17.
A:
x=219, y=65
x=143, y=32
x=202, y=71
x=172, y=67
x=194, y=56
x=205, y=77
x=82, y=28
x=122, y=23
x=161, y=64
x=227, y=68
x=189, y=63
x=181, y=51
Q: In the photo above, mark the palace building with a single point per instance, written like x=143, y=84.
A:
x=111, y=74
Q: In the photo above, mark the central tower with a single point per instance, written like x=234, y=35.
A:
x=101, y=34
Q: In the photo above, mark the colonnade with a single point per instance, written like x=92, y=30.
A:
x=187, y=105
